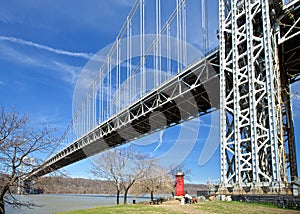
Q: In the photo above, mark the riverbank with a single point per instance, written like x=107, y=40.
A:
x=51, y=203
x=174, y=207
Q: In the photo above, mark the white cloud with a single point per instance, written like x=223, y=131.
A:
x=67, y=72
x=71, y=72
x=9, y=53
x=46, y=48
x=2, y=83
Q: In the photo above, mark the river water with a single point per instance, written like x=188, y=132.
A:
x=50, y=203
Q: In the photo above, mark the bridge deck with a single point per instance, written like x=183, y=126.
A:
x=183, y=97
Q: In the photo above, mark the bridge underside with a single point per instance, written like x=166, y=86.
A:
x=289, y=53
x=190, y=94
x=289, y=48
x=289, y=58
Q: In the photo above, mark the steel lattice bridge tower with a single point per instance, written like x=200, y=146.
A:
x=257, y=59
x=255, y=117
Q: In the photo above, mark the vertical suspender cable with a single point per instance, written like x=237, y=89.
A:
x=98, y=100
x=120, y=76
x=142, y=51
x=159, y=41
x=83, y=119
x=88, y=107
x=117, y=95
x=169, y=71
x=93, y=108
x=141, y=46
x=143, y=43
x=101, y=98
x=86, y=116
x=117, y=77
x=204, y=26
x=127, y=93
x=81, y=124
x=130, y=61
x=177, y=34
x=94, y=105
x=109, y=87
x=156, y=45
x=184, y=34
x=180, y=33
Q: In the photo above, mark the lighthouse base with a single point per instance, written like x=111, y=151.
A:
x=178, y=197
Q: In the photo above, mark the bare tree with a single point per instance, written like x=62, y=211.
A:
x=19, y=146
x=122, y=166
x=140, y=168
x=156, y=180
x=109, y=165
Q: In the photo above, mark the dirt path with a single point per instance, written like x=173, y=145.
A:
x=175, y=206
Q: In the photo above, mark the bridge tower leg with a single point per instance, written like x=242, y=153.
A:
x=252, y=146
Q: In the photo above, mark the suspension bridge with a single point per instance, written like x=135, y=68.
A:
x=152, y=79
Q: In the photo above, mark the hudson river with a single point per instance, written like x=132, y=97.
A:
x=57, y=203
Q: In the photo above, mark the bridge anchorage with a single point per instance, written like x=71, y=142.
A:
x=254, y=66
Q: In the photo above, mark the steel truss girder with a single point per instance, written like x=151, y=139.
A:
x=289, y=21
x=181, y=98
x=292, y=31
x=288, y=39
x=252, y=147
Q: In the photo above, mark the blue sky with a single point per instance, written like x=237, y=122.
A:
x=44, y=45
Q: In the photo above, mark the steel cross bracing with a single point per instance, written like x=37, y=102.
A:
x=246, y=145
x=252, y=137
x=182, y=98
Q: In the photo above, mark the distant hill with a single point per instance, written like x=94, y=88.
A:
x=62, y=185
x=193, y=188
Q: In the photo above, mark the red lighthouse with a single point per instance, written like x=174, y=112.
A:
x=179, y=191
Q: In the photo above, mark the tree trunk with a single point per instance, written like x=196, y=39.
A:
x=118, y=196
x=152, y=198
x=125, y=196
x=126, y=189
x=2, y=209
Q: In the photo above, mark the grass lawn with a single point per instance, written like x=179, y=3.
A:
x=239, y=207
x=126, y=209
x=174, y=207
